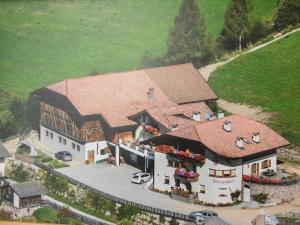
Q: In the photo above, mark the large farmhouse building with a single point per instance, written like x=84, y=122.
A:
x=86, y=115
x=207, y=161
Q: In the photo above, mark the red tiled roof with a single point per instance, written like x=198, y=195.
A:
x=213, y=136
x=119, y=95
x=181, y=115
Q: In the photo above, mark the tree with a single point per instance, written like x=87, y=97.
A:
x=236, y=25
x=33, y=112
x=7, y=125
x=188, y=40
x=288, y=14
x=17, y=108
x=127, y=212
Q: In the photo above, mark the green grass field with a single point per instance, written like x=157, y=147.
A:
x=43, y=42
x=270, y=78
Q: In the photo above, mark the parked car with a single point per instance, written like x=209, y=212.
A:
x=269, y=172
x=64, y=156
x=205, y=214
x=140, y=178
x=197, y=218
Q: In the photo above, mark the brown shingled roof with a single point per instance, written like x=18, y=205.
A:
x=118, y=95
x=213, y=136
x=181, y=83
x=181, y=115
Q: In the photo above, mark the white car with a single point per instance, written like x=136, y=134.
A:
x=140, y=178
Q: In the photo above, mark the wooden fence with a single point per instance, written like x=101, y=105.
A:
x=79, y=216
x=122, y=201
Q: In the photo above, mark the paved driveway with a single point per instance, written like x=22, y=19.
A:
x=117, y=181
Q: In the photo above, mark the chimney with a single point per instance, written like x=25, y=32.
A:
x=256, y=138
x=207, y=115
x=227, y=126
x=196, y=116
x=151, y=94
x=239, y=142
x=220, y=114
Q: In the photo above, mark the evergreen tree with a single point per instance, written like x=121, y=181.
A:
x=236, y=24
x=188, y=40
x=288, y=14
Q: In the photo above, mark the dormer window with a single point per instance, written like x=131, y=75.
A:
x=239, y=143
x=227, y=126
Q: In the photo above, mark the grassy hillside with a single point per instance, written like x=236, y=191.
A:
x=264, y=10
x=269, y=78
x=42, y=42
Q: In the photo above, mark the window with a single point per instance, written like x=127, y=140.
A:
x=222, y=173
x=167, y=180
x=102, y=152
x=73, y=145
x=212, y=172
x=222, y=192
x=64, y=141
x=47, y=133
x=60, y=139
x=233, y=173
x=226, y=173
x=78, y=148
x=202, y=189
x=174, y=164
x=219, y=173
x=266, y=164
x=51, y=135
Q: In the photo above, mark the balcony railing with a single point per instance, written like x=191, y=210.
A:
x=186, y=175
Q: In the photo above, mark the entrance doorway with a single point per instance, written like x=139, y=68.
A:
x=91, y=156
x=246, y=193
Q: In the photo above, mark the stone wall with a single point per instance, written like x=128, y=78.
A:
x=292, y=153
x=276, y=194
x=18, y=213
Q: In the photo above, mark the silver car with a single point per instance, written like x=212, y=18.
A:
x=64, y=156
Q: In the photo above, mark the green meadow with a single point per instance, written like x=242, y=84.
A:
x=42, y=42
x=269, y=78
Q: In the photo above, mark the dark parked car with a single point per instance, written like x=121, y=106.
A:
x=269, y=172
x=64, y=156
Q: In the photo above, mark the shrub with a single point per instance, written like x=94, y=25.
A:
x=56, y=184
x=55, y=164
x=162, y=219
x=4, y=215
x=46, y=159
x=261, y=198
x=46, y=215
x=63, y=215
x=20, y=173
x=127, y=212
x=173, y=222
x=125, y=222
x=235, y=195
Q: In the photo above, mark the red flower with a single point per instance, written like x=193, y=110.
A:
x=246, y=178
x=266, y=180
x=186, y=164
x=275, y=180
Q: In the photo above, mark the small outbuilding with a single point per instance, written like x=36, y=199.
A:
x=24, y=194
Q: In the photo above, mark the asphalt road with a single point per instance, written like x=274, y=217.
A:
x=117, y=181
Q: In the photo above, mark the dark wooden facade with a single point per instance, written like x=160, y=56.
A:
x=59, y=120
x=25, y=202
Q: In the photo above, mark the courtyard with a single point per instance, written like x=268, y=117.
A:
x=117, y=181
